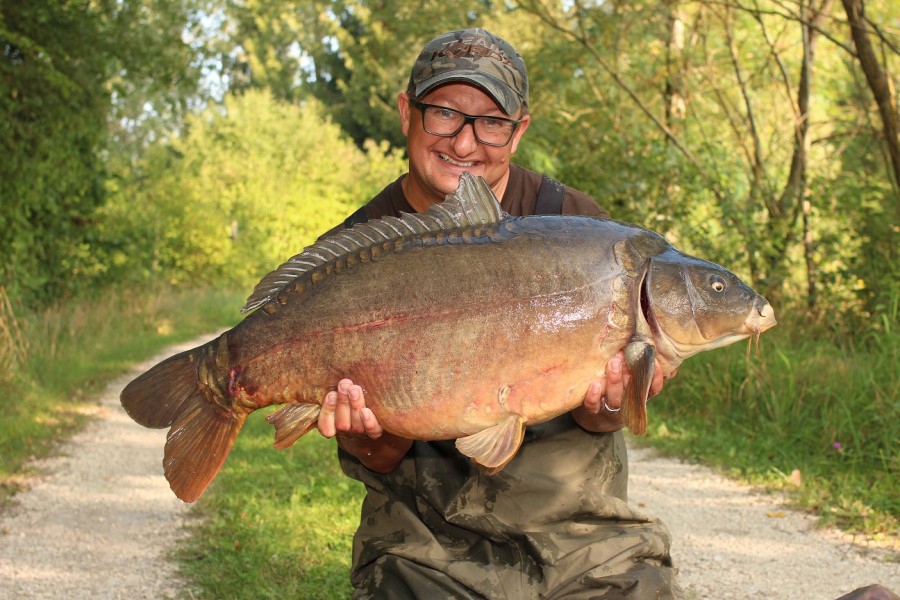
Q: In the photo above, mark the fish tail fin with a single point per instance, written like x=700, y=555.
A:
x=641, y=360
x=293, y=421
x=197, y=446
x=201, y=434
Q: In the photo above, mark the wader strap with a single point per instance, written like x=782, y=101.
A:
x=550, y=197
x=356, y=218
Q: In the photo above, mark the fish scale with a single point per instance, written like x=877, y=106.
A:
x=462, y=322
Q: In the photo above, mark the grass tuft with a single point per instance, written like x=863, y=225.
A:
x=810, y=417
x=274, y=523
x=63, y=355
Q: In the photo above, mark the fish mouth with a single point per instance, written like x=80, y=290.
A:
x=762, y=319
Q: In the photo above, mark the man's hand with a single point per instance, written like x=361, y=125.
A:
x=345, y=411
x=345, y=415
x=603, y=400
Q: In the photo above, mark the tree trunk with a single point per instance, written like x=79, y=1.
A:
x=808, y=254
x=877, y=80
x=793, y=200
x=674, y=93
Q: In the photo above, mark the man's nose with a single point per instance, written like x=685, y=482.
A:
x=465, y=141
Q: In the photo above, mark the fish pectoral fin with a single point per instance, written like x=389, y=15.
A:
x=494, y=447
x=640, y=357
x=293, y=421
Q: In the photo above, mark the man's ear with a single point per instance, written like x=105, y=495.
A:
x=520, y=131
x=404, y=110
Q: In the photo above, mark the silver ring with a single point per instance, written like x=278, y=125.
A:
x=606, y=406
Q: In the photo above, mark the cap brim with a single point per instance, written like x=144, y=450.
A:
x=505, y=98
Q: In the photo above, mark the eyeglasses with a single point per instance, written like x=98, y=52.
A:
x=446, y=122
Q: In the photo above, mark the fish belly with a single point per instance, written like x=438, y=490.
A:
x=445, y=341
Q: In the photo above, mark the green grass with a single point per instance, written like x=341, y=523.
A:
x=55, y=359
x=811, y=411
x=280, y=523
x=274, y=523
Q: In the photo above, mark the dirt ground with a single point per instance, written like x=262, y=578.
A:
x=101, y=521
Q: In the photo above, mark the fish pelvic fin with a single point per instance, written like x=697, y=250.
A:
x=494, y=447
x=201, y=434
x=640, y=357
x=293, y=421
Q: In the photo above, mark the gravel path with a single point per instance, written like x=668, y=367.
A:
x=101, y=521
x=732, y=542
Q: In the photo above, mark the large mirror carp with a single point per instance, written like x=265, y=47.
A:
x=459, y=323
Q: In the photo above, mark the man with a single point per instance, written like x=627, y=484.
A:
x=554, y=522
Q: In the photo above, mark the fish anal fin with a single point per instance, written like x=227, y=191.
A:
x=640, y=357
x=197, y=446
x=293, y=421
x=494, y=447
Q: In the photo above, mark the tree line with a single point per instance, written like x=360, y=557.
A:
x=199, y=141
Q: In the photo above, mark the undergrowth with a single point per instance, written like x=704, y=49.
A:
x=815, y=418
x=53, y=361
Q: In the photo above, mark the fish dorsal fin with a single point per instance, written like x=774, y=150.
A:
x=473, y=204
x=474, y=201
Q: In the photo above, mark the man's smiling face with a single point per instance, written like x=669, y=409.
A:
x=435, y=163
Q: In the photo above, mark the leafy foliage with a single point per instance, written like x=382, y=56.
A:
x=245, y=188
x=686, y=117
x=61, y=65
x=683, y=117
x=353, y=56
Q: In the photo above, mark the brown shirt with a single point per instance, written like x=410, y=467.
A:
x=518, y=200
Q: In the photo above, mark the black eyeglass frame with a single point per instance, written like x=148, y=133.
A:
x=421, y=106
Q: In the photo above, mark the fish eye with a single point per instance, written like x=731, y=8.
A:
x=717, y=283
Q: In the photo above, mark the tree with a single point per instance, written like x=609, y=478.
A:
x=63, y=65
x=735, y=174
x=352, y=56
x=244, y=188
x=878, y=82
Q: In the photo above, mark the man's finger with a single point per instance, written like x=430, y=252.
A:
x=342, y=416
x=326, y=415
x=594, y=397
x=371, y=424
x=615, y=381
x=356, y=402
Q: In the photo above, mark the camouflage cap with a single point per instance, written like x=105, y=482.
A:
x=474, y=56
